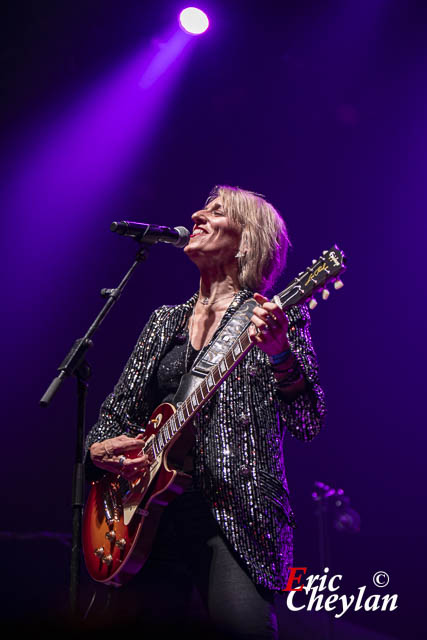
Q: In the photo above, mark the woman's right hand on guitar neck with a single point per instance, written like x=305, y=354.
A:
x=121, y=455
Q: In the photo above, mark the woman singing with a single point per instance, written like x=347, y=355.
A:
x=230, y=533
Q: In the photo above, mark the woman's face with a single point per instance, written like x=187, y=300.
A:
x=214, y=235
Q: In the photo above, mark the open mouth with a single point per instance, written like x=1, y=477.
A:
x=198, y=232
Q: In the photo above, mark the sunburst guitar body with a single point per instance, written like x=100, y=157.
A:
x=117, y=511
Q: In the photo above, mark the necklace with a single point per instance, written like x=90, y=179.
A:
x=205, y=299
x=190, y=329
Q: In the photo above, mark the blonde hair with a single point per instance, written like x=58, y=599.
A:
x=264, y=241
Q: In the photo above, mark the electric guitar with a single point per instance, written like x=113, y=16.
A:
x=121, y=517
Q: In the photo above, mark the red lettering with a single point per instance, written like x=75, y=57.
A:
x=293, y=577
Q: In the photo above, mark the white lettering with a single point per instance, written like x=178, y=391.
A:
x=315, y=600
x=374, y=606
x=329, y=601
x=310, y=581
x=331, y=583
x=346, y=604
x=323, y=579
x=386, y=599
x=358, y=604
x=290, y=603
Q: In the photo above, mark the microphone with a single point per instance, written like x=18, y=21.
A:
x=152, y=233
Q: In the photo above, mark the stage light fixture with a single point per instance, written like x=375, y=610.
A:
x=193, y=21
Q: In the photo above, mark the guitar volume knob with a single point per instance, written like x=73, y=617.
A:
x=121, y=543
x=107, y=559
x=99, y=552
x=110, y=535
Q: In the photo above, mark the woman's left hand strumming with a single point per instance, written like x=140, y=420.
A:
x=269, y=326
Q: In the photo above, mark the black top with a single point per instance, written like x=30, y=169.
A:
x=177, y=360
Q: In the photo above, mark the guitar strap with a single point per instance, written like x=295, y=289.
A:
x=222, y=343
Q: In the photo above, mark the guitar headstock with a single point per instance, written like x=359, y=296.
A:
x=325, y=270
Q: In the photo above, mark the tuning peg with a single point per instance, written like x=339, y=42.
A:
x=338, y=284
x=312, y=304
x=325, y=294
x=314, y=261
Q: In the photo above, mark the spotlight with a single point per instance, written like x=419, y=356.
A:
x=193, y=21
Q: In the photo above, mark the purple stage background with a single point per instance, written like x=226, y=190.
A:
x=110, y=113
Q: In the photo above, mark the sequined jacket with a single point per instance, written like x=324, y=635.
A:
x=238, y=453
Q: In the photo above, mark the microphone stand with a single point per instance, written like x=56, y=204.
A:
x=75, y=364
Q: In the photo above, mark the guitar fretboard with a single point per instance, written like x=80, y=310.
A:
x=201, y=394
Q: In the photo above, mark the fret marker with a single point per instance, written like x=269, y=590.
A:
x=237, y=350
x=222, y=366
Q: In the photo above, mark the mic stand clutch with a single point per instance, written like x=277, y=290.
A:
x=75, y=364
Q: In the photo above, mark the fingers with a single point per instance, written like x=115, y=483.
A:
x=269, y=326
x=264, y=321
x=127, y=444
x=129, y=468
x=121, y=455
x=141, y=461
x=267, y=316
x=268, y=306
x=134, y=467
x=123, y=444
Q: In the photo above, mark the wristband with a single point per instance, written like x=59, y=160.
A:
x=280, y=357
x=288, y=382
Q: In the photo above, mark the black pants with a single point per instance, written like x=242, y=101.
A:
x=190, y=553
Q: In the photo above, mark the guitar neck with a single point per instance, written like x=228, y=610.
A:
x=202, y=393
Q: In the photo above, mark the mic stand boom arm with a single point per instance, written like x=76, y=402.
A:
x=75, y=364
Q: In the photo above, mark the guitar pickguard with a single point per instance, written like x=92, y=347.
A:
x=134, y=497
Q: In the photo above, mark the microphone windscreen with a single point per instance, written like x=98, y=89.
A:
x=184, y=237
